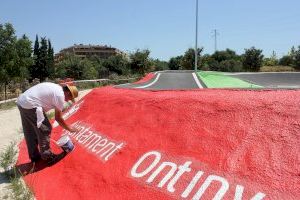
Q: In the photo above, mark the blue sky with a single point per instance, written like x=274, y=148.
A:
x=165, y=27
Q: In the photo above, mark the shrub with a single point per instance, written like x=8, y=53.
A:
x=252, y=59
x=297, y=59
x=231, y=66
x=286, y=60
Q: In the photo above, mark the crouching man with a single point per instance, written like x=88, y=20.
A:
x=33, y=104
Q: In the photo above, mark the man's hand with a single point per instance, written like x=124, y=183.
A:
x=74, y=130
x=62, y=123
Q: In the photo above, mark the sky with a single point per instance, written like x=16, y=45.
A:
x=165, y=27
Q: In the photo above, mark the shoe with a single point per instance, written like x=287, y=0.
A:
x=51, y=159
x=28, y=169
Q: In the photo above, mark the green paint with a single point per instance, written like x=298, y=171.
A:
x=219, y=80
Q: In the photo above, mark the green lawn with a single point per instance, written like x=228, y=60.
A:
x=219, y=80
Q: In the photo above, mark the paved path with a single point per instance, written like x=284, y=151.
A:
x=271, y=79
x=169, y=80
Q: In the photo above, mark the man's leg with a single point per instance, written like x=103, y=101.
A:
x=43, y=135
x=28, y=117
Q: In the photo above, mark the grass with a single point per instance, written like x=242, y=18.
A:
x=8, y=156
x=277, y=69
x=7, y=105
x=18, y=189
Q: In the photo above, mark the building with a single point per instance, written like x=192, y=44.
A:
x=84, y=51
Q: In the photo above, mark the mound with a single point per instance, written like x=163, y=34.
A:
x=146, y=78
x=206, y=144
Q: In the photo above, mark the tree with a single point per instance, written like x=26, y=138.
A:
x=34, y=68
x=70, y=67
x=225, y=55
x=43, y=60
x=174, y=63
x=188, y=59
x=102, y=72
x=292, y=53
x=286, y=60
x=225, y=61
x=297, y=59
x=89, y=71
x=15, y=55
x=231, y=66
x=139, y=61
x=36, y=48
x=50, y=61
x=252, y=59
x=205, y=62
x=43, y=54
x=292, y=59
x=272, y=61
x=214, y=65
x=117, y=64
x=8, y=52
x=25, y=60
x=159, y=65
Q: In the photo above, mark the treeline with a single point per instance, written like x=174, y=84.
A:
x=135, y=63
x=229, y=61
x=20, y=61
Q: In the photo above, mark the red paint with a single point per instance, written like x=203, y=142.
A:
x=146, y=78
x=250, y=138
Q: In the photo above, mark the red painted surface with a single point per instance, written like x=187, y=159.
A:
x=249, y=138
x=146, y=78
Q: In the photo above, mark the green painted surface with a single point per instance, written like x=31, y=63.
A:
x=219, y=80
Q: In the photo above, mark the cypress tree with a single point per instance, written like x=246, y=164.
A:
x=34, y=69
x=43, y=52
x=50, y=62
x=36, y=46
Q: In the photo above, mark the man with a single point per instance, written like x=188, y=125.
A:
x=33, y=104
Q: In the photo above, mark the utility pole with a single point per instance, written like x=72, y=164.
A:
x=215, y=35
x=196, y=42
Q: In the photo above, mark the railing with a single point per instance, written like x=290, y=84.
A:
x=86, y=84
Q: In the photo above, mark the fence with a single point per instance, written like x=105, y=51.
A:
x=15, y=89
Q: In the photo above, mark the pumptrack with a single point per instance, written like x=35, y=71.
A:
x=176, y=144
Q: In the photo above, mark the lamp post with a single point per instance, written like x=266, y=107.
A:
x=196, y=42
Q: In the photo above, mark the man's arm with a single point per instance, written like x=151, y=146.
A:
x=61, y=121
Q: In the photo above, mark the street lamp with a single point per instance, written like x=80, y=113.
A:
x=196, y=42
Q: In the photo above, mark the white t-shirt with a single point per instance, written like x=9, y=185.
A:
x=45, y=95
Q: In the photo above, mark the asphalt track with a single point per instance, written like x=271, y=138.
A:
x=186, y=79
x=169, y=80
x=271, y=79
